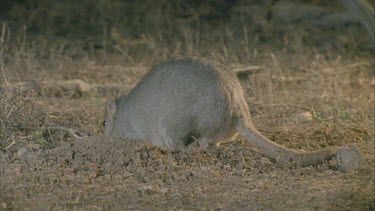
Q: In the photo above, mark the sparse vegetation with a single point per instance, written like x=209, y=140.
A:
x=323, y=68
x=316, y=115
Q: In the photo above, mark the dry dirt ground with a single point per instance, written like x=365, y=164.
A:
x=304, y=97
x=50, y=170
x=101, y=174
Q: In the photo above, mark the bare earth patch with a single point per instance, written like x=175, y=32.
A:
x=45, y=168
x=105, y=173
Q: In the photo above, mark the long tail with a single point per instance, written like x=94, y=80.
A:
x=281, y=154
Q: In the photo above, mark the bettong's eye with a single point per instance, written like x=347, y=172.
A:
x=104, y=123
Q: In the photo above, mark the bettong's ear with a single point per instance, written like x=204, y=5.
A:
x=111, y=106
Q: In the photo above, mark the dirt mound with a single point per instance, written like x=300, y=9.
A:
x=110, y=154
x=105, y=155
x=120, y=155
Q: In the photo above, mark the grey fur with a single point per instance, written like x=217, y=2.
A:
x=194, y=97
x=363, y=11
x=178, y=98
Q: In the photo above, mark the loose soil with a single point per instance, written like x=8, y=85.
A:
x=101, y=173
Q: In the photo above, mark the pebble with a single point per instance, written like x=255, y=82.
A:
x=22, y=152
x=265, y=161
x=304, y=117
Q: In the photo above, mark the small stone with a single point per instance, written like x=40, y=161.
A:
x=17, y=169
x=144, y=155
x=265, y=161
x=36, y=146
x=146, y=190
x=240, y=172
x=69, y=155
x=87, y=180
x=304, y=117
x=163, y=190
x=22, y=152
x=109, y=164
x=205, y=168
x=152, y=154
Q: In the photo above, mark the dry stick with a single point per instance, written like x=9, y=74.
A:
x=354, y=65
x=69, y=130
x=11, y=144
x=247, y=69
x=244, y=71
x=119, y=49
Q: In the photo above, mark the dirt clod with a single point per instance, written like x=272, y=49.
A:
x=22, y=152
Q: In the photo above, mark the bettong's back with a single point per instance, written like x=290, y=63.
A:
x=182, y=99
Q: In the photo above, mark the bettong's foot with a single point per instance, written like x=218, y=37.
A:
x=349, y=158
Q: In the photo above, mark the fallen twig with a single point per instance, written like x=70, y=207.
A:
x=11, y=144
x=247, y=70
